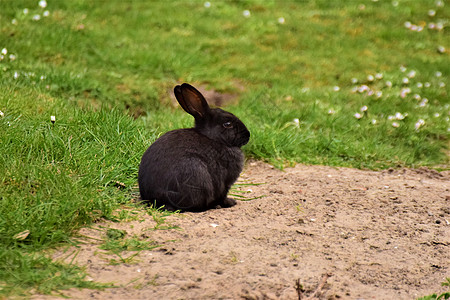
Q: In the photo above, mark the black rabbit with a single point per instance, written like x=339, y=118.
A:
x=192, y=169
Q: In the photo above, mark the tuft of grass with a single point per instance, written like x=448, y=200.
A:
x=116, y=243
x=442, y=296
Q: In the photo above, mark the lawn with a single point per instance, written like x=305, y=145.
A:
x=345, y=83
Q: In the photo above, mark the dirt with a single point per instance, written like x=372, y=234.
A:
x=341, y=233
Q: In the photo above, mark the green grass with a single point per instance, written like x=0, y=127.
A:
x=104, y=70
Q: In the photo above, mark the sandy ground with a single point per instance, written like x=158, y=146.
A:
x=355, y=234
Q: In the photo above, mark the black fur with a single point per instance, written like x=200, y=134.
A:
x=193, y=169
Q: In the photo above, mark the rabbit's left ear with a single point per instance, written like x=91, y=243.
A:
x=191, y=100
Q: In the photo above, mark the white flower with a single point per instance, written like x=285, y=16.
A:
x=14, y=21
x=281, y=20
x=412, y=74
x=378, y=76
x=246, y=13
x=424, y=102
x=388, y=84
x=12, y=57
x=207, y=4
x=427, y=84
x=373, y=121
x=52, y=119
x=363, y=88
x=331, y=111
x=296, y=122
x=395, y=3
x=419, y=85
x=407, y=25
x=379, y=94
x=336, y=88
x=4, y=51
x=439, y=26
x=36, y=17
x=46, y=13
x=1, y=114
x=25, y=11
x=431, y=12
x=370, y=78
x=358, y=115
x=436, y=115
x=43, y=3
x=399, y=116
x=419, y=124
x=405, y=80
x=441, y=84
x=364, y=108
x=16, y=75
x=431, y=26
x=417, y=97
x=404, y=92
x=438, y=74
x=354, y=80
x=395, y=124
x=440, y=3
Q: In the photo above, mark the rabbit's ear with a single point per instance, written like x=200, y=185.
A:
x=191, y=100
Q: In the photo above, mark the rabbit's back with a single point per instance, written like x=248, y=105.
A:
x=186, y=170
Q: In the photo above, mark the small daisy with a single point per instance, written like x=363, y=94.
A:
x=331, y=111
x=395, y=124
x=388, y=84
x=412, y=74
x=373, y=121
x=281, y=20
x=378, y=76
x=207, y=4
x=246, y=13
x=370, y=78
x=4, y=51
x=354, y=80
x=43, y=3
x=358, y=115
x=438, y=74
x=336, y=88
x=431, y=12
x=419, y=124
x=364, y=108
x=405, y=80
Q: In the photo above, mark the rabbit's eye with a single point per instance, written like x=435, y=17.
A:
x=227, y=125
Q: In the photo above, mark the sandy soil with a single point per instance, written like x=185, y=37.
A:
x=361, y=234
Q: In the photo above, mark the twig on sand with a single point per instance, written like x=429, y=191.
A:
x=300, y=290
